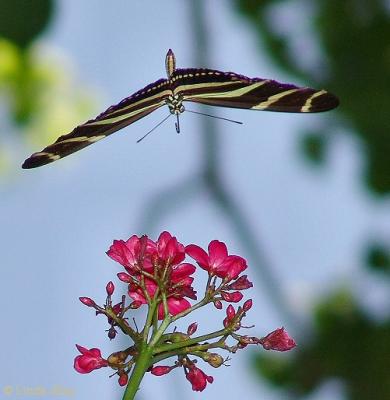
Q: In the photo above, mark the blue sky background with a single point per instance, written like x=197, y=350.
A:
x=58, y=221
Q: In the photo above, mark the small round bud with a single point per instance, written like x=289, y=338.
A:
x=247, y=305
x=110, y=288
x=218, y=304
x=123, y=378
x=192, y=329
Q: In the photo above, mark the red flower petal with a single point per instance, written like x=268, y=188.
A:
x=198, y=254
x=217, y=252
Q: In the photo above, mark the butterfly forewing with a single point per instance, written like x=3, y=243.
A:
x=227, y=89
x=114, y=118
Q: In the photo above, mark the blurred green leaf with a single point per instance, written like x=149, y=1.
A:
x=346, y=344
x=22, y=20
x=354, y=37
x=313, y=146
x=378, y=257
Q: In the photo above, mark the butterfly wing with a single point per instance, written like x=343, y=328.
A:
x=116, y=117
x=228, y=89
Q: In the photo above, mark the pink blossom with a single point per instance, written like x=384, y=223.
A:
x=278, y=340
x=217, y=261
x=169, y=250
x=132, y=254
x=88, y=360
x=198, y=378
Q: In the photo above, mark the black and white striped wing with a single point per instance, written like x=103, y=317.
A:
x=227, y=89
x=116, y=117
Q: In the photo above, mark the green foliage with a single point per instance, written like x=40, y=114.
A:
x=378, y=257
x=354, y=37
x=345, y=344
x=22, y=20
x=314, y=147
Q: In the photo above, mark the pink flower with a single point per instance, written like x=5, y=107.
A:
x=217, y=261
x=278, y=340
x=88, y=360
x=169, y=250
x=198, y=378
x=132, y=254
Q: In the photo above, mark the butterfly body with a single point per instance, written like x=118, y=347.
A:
x=199, y=85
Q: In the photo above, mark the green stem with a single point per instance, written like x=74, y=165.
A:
x=142, y=364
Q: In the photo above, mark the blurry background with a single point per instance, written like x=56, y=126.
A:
x=305, y=198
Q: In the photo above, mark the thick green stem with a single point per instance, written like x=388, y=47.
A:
x=141, y=365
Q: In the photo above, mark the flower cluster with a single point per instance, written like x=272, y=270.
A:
x=158, y=275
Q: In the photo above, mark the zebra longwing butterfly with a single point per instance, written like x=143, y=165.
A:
x=199, y=85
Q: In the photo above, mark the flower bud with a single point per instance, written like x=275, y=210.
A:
x=117, y=358
x=123, y=378
x=247, y=305
x=135, y=304
x=278, y=340
x=160, y=370
x=87, y=301
x=110, y=288
x=124, y=277
x=218, y=304
x=192, y=329
x=214, y=359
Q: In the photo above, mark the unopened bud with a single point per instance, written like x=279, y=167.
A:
x=123, y=378
x=87, y=301
x=117, y=358
x=192, y=329
x=214, y=359
x=218, y=304
x=135, y=304
x=110, y=288
x=160, y=370
x=124, y=277
x=247, y=305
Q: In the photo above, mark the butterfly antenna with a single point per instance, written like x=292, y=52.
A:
x=177, y=124
x=214, y=116
x=146, y=134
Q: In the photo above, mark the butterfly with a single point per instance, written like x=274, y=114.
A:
x=198, y=85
